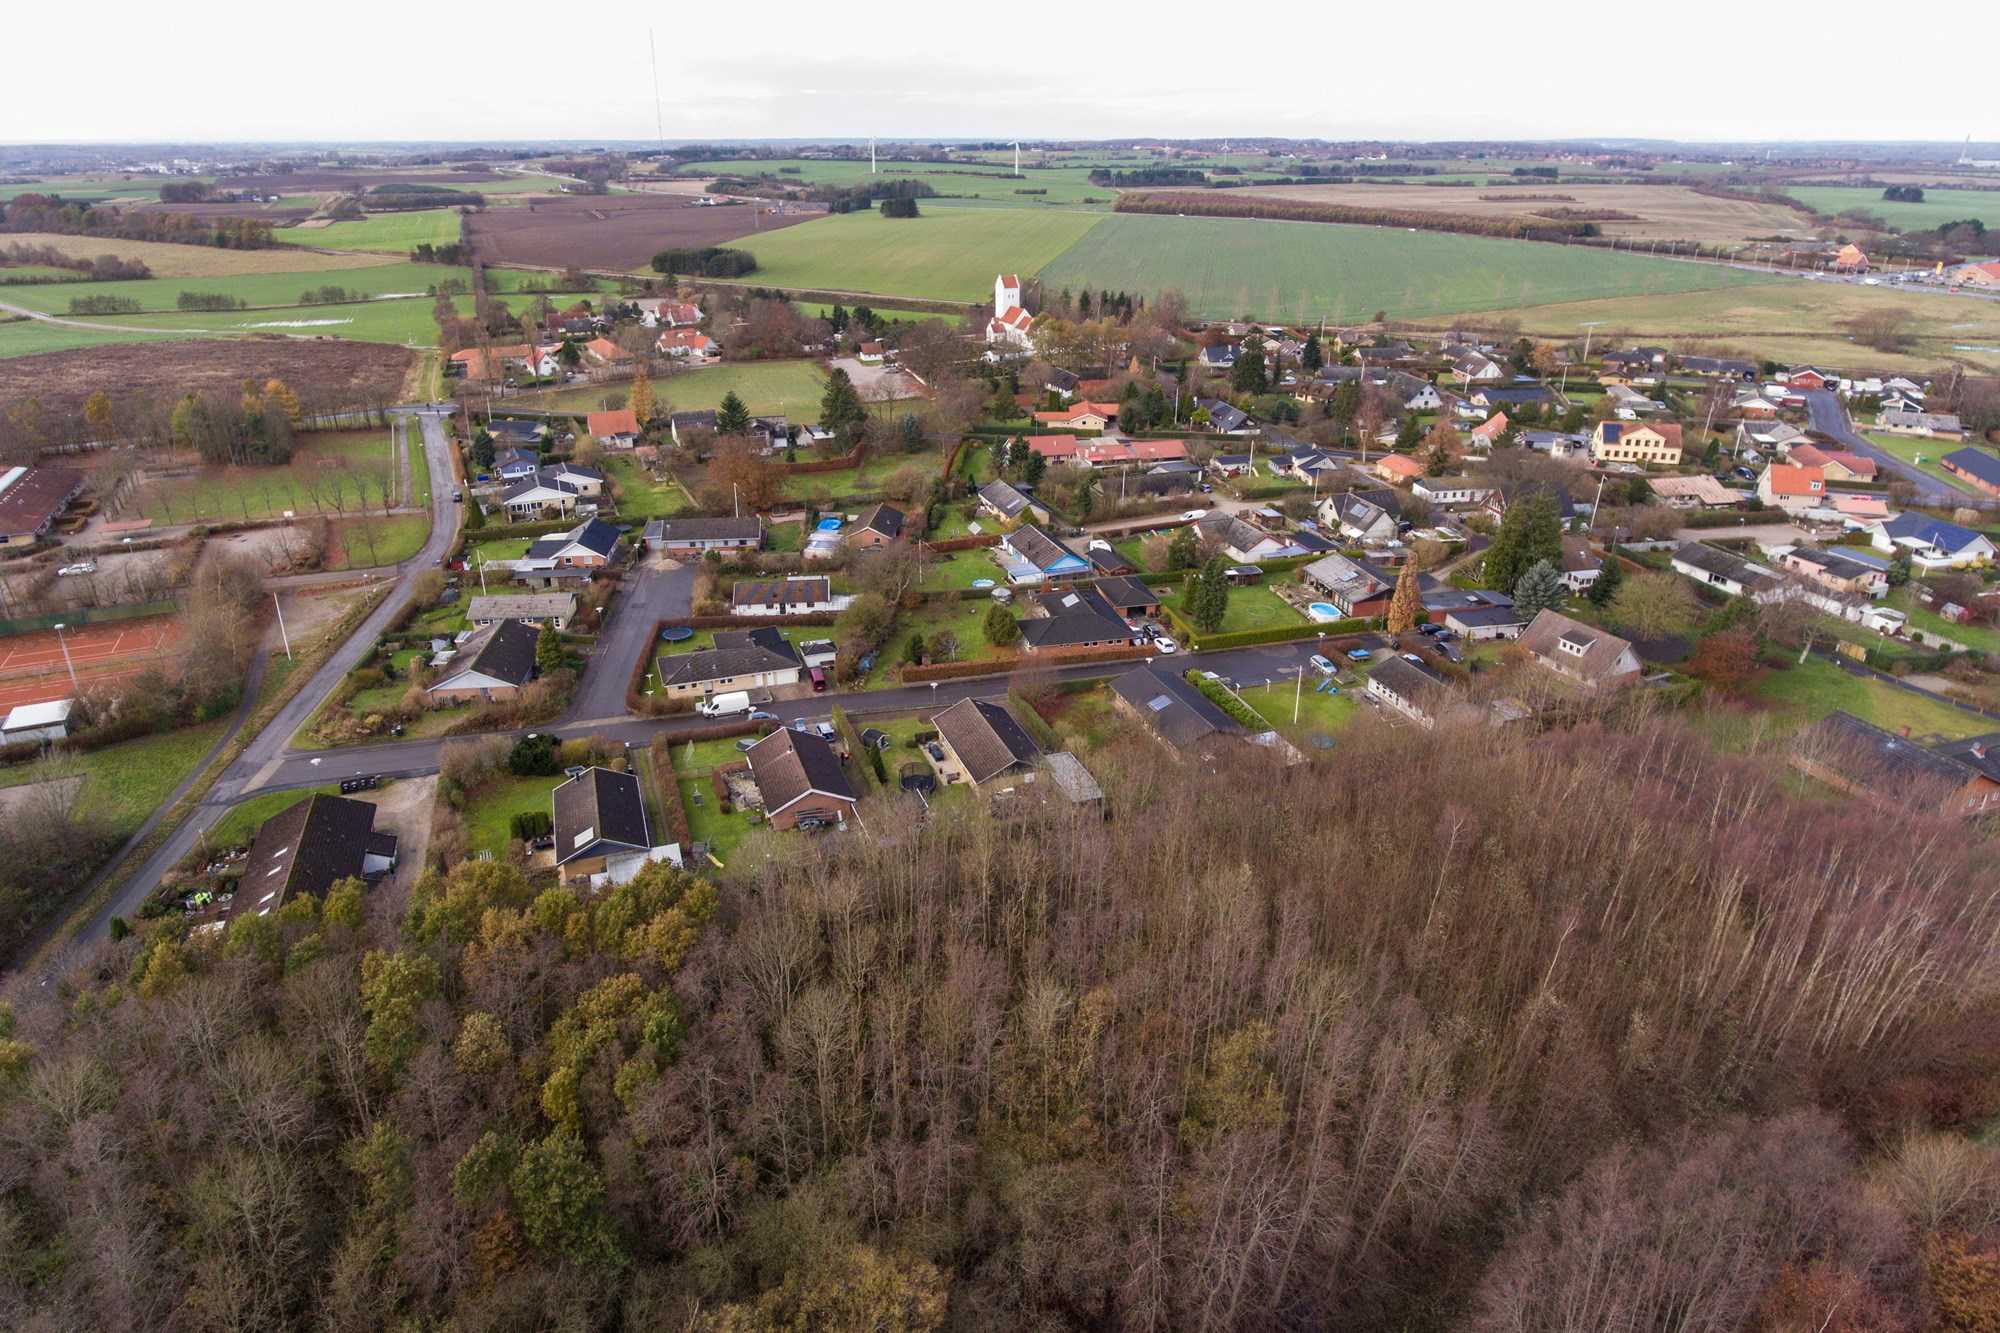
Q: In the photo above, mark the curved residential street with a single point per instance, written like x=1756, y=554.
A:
x=1827, y=416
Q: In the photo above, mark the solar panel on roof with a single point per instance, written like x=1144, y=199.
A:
x=1159, y=703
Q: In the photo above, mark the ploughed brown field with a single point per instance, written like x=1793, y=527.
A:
x=319, y=371
x=620, y=231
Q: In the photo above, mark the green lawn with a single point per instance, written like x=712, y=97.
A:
x=1921, y=454
x=1807, y=693
x=1230, y=267
x=256, y=290
x=960, y=569
x=1938, y=206
x=347, y=466
x=383, y=231
x=699, y=758
x=639, y=494
x=963, y=618
x=947, y=254
x=496, y=549
x=360, y=543
x=1254, y=607
x=706, y=822
x=1324, y=714
x=488, y=822
x=240, y=825
x=1984, y=638
x=881, y=464
x=125, y=783
x=790, y=388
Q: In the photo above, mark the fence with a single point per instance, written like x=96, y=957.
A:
x=86, y=616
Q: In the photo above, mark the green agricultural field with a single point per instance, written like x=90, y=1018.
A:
x=381, y=231
x=947, y=254
x=987, y=180
x=256, y=290
x=21, y=336
x=1302, y=271
x=1938, y=206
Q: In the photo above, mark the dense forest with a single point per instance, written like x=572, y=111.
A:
x=1595, y=1029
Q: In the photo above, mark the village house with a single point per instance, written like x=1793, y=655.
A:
x=1928, y=425
x=490, y=666
x=1623, y=442
x=1030, y=556
x=657, y=312
x=683, y=425
x=1012, y=328
x=1450, y=490
x=1410, y=686
x=1357, y=590
x=699, y=536
x=1807, y=378
x=1834, y=464
x=568, y=556
x=740, y=660
x=516, y=464
x=1078, y=618
x=880, y=526
x=1010, y=504
x=1581, y=654
x=1896, y=773
x=1790, y=488
x=798, y=596
x=614, y=430
x=549, y=608
x=1932, y=543
x=1850, y=259
x=1488, y=432
x=801, y=781
x=1398, y=468
x=1224, y=419
x=601, y=834
x=1178, y=714
x=1080, y=416
x=1581, y=566
x=687, y=345
x=1220, y=356
x=982, y=741
x=308, y=848
x=1478, y=623
x=1726, y=571
x=1366, y=517
x=1128, y=596
x=1975, y=466
x=1715, y=367
x=1697, y=492
x=537, y=496
x=1835, y=571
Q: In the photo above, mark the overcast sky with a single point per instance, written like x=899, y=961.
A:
x=365, y=70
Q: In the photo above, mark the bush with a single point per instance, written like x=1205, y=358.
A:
x=534, y=756
x=532, y=824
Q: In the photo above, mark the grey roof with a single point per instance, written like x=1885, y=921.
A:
x=1513, y=393
x=516, y=428
x=1079, y=616
x=1722, y=564
x=1060, y=379
x=1477, y=616
x=1067, y=772
x=543, y=480
x=595, y=535
x=883, y=518
x=1410, y=681
x=599, y=811
x=506, y=651
x=784, y=592
x=1004, y=497
x=1879, y=756
x=522, y=606
x=698, y=420
x=712, y=529
x=1222, y=416
x=1182, y=714
x=1603, y=651
x=985, y=737
x=1038, y=548
x=1122, y=593
x=304, y=849
x=788, y=764
x=736, y=653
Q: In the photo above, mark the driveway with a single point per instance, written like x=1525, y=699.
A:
x=653, y=590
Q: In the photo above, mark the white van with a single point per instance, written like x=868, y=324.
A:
x=722, y=705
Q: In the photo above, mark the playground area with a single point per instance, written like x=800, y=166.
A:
x=32, y=669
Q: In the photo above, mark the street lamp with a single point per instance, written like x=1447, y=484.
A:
x=66, y=662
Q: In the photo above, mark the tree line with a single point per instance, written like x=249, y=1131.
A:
x=100, y=268
x=1597, y=1028
x=50, y=213
x=708, y=261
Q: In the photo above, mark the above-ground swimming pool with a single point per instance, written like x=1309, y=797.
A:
x=1322, y=611
x=828, y=525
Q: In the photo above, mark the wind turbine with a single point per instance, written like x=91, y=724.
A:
x=1017, y=159
x=871, y=156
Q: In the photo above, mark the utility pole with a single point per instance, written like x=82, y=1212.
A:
x=1298, y=694
x=66, y=662
x=281, y=624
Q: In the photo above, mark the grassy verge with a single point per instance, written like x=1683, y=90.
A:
x=1920, y=454
x=1803, y=694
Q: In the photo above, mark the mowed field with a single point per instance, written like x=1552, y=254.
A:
x=32, y=669
x=161, y=369
x=788, y=388
x=331, y=473
x=197, y=261
x=1301, y=271
x=256, y=290
x=1938, y=206
x=614, y=231
x=1663, y=211
x=976, y=180
x=1790, y=320
x=946, y=254
x=395, y=233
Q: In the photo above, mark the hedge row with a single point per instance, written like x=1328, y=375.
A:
x=847, y=461
x=746, y=622
x=994, y=666
x=1031, y=721
x=976, y=542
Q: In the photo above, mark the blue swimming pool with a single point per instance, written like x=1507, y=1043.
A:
x=828, y=525
x=1323, y=611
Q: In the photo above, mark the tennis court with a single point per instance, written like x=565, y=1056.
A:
x=32, y=668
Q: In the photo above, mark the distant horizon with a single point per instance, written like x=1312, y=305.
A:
x=1041, y=142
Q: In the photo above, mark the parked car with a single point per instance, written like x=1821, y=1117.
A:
x=80, y=567
x=1321, y=664
x=934, y=750
x=759, y=715
x=458, y=497
x=826, y=731
x=1166, y=645
x=1195, y=515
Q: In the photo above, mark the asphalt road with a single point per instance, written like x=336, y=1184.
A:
x=651, y=593
x=266, y=750
x=1826, y=416
x=1244, y=666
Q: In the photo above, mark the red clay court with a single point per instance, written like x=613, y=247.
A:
x=31, y=665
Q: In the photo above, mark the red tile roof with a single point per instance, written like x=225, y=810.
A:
x=601, y=424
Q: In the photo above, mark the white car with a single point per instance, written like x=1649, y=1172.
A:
x=1321, y=664
x=1194, y=515
x=1166, y=645
x=81, y=567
